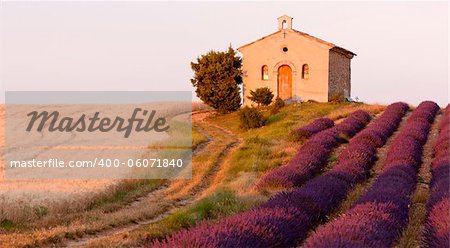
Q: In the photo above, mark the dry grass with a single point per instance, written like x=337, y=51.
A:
x=102, y=211
x=344, y=112
x=89, y=223
x=197, y=138
x=205, y=163
x=26, y=201
x=200, y=106
x=411, y=236
x=37, y=211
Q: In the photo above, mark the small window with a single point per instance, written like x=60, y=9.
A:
x=284, y=24
x=285, y=49
x=305, y=71
x=265, y=72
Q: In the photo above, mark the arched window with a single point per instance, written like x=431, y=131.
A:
x=265, y=72
x=305, y=71
x=284, y=24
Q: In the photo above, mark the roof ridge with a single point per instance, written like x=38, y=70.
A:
x=304, y=34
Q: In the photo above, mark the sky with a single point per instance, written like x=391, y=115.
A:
x=401, y=47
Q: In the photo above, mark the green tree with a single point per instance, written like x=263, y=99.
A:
x=217, y=76
x=261, y=96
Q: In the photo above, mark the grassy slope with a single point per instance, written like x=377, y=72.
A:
x=269, y=147
x=262, y=150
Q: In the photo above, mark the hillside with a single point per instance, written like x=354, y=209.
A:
x=228, y=164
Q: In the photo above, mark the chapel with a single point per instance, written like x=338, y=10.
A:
x=296, y=65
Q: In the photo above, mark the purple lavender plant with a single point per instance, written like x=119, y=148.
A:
x=437, y=225
x=312, y=156
x=377, y=218
x=309, y=130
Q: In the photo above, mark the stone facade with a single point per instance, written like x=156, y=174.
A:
x=318, y=69
x=339, y=75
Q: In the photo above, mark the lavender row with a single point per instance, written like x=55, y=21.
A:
x=313, y=155
x=312, y=128
x=437, y=225
x=288, y=216
x=378, y=217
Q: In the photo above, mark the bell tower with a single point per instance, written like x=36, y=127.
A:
x=284, y=22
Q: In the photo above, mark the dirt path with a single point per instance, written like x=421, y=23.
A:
x=206, y=183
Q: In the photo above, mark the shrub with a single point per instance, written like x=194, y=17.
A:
x=277, y=105
x=251, y=118
x=261, y=96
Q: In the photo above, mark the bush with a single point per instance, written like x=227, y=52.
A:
x=261, y=96
x=277, y=105
x=251, y=118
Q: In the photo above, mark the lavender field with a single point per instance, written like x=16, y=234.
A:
x=322, y=175
x=363, y=199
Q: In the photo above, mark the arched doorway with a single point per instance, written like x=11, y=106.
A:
x=285, y=82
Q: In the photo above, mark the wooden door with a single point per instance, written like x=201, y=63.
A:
x=284, y=82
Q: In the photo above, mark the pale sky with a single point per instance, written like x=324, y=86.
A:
x=402, y=47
